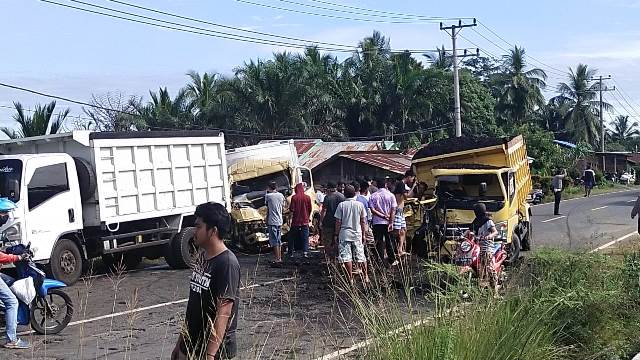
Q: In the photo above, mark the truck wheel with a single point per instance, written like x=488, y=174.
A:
x=120, y=262
x=183, y=248
x=66, y=262
x=513, y=251
x=86, y=178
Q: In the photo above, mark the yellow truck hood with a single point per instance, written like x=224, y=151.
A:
x=248, y=169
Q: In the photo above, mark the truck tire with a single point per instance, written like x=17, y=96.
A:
x=66, y=262
x=122, y=261
x=526, y=240
x=183, y=248
x=86, y=178
x=513, y=251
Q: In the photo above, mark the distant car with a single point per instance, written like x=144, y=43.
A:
x=627, y=178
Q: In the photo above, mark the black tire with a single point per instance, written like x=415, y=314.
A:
x=513, y=251
x=86, y=178
x=183, y=248
x=122, y=261
x=38, y=308
x=66, y=262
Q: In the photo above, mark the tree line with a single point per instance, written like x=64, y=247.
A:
x=374, y=94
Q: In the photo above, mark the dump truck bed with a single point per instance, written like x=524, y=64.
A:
x=141, y=175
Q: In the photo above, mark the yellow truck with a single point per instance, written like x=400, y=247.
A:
x=469, y=170
x=250, y=170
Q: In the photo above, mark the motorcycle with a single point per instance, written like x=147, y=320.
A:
x=536, y=196
x=52, y=309
x=467, y=256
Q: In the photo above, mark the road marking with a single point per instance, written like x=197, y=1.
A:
x=369, y=341
x=613, y=242
x=600, y=208
x=555, y=218
x=592, y=196
x=630, y=201
x=133, y=311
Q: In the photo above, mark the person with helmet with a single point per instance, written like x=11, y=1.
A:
x=7, y=298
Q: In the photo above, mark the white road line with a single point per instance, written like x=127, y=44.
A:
x=613, y=242
x=600, y=208
x=368, y=341
x=133, y=311
x=630, y=201
x=555, y=218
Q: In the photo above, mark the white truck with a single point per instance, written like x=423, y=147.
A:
x=251, y=169
x=119, y=196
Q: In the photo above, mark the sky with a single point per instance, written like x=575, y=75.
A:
x=75, y=54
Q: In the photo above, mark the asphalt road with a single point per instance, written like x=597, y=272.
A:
x=585, y=223
x=288, y=313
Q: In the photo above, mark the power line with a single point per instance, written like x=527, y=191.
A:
x=57, y=114
x=394, y=16
x=386, y=12
x=329, y=15
x=510, y=44
x=204, y=31
x=624, y=97
x=233, y=132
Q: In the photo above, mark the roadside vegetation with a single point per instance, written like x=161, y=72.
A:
x=374, y=94
x=557, y=305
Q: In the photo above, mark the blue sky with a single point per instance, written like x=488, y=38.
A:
x=75, y=54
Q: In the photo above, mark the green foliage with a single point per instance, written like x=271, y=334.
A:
x=41, y=122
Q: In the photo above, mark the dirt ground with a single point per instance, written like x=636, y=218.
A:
x=286, y=313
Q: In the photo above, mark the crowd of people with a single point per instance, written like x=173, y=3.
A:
x=359, y=222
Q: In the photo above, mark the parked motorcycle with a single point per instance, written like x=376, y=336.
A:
x=536, y=196
x=52, y=309
x=467, y=255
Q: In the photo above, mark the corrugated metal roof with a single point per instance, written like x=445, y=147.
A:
x=323, y=151
x=302, y=146
x=390, y=161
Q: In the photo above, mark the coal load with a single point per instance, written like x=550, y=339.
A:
x=456, y=144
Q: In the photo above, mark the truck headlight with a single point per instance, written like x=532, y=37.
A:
x=13, y=233
x=502, y=230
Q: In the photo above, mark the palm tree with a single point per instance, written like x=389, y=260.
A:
x=623, y=129
x=439, y=59
x=165, y=113
x=38, y=124
x=579, y=97
x=202, y=91
x=521, y=90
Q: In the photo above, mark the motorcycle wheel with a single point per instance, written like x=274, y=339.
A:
x=51, y=314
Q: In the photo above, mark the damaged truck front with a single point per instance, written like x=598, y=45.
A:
x=250, y=170
x=466, y=171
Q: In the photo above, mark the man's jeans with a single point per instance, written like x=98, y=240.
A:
x=10, y=303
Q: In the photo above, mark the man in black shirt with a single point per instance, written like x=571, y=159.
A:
x=212, y=310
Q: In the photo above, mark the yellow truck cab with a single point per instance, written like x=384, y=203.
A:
x=250, y=170
x=469, y=170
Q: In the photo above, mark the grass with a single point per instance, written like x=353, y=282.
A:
x=557, y=305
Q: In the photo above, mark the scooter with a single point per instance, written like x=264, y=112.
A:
x=52, y=309
x=467, y=255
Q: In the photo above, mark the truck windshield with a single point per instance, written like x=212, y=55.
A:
x=257, y=187
x=10, y=176
x=468, y=187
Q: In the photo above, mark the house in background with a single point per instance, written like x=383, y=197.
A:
x=607, y=162
x=349, y=161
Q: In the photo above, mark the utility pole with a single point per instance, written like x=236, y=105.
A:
x=602, y=128
x=455, y=29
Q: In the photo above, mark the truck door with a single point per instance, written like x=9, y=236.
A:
x=53, y=206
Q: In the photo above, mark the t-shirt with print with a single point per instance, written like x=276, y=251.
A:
x=215, y=278
x=484, y=230
x=330, y=203
x=350, y=213
x=275, y=202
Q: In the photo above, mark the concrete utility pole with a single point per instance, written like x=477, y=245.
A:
x=602, y=128
x=455, y=29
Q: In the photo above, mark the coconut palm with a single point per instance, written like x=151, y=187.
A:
x=38, y=124
x=623, y=128
x=439, y=59
x=579, y=97
x=164, y=113
x=521, y=91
